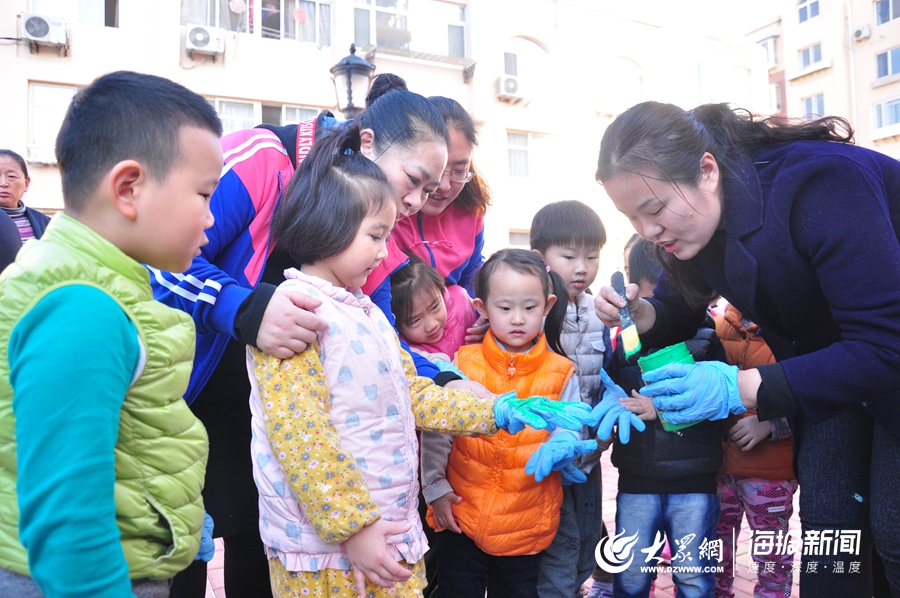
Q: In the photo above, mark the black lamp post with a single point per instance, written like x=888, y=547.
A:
x=351, y=77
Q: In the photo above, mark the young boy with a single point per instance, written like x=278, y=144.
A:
x=568, y=235
x=101, y=461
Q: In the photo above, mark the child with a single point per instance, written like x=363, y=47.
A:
x=667, y=480
x=496, y=519
x=757, y=476
x=568, y=236
x=335, y=452
x=432, y=317
x=102, y=461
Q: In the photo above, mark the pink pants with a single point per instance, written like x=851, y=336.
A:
x=768, y=505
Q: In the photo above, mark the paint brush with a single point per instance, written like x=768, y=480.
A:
x=631, y=342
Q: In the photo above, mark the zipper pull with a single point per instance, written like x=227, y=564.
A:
x=511, y=370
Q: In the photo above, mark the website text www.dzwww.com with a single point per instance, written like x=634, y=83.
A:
x=670, y=569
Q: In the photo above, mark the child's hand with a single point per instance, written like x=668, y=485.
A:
x=475, y=333
x=368, y=553
x=471, y=386
x=749, y=432
x=639, y=405
x=443, y=514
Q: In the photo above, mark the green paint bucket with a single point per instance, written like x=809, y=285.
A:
x=674, y=354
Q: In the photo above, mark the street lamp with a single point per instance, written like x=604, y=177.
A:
x=351, y=83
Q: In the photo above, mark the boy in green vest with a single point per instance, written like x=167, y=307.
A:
x=101, y=461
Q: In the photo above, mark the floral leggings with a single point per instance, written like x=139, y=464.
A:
x=333, y=583
x=769, y=505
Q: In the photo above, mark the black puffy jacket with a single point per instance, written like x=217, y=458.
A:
x=659, y=462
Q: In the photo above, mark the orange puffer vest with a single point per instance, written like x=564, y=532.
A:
x=745, y=348
x=503, y=510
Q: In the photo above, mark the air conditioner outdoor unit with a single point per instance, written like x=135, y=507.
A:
x=508, y=89
x=864, y=32
x=43, y=30
x=201, y=39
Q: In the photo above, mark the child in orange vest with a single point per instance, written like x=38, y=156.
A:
x=494, y=519
x=757, y=477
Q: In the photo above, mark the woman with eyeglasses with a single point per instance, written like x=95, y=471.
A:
x=448, y=232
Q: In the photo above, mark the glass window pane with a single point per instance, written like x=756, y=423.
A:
x=817, y=53
x=195, y=12
x=48, y=108
x=231, y=20
x=325, y=24
x=235, y=116
x=361, y=34
x=510, y=64
x=456, y=40
x=517, y=139
x=295, y=114
x=895, y=9
x=882, y=12
x=882, y=61
x=271, y=20
x=518, y=163
x=802, y=13
x=804, y=57
x=271, y=115
x=895, y=61
x=392, y=30
x=893, y=110
x=300, y=20
x=813, y=10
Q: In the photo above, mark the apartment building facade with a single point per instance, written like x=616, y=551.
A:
x=542, y=78
x=840, y=58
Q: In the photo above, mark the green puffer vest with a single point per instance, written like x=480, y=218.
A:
x=162, y=448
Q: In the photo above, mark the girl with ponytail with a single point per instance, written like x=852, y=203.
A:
x=782, y=218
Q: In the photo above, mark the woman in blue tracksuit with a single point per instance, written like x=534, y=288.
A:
x=230, y=292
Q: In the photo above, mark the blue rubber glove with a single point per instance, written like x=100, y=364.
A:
x=609, y=412
x=207, y=544
x=571, y=475
x=688, y=393
x=557, y=454
x=512, y=414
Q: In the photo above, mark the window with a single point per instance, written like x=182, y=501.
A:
x=520, y=239
x=886, y=10
x=774, y=97
x=427, y=26
x=810, y=56
x=302, y=20
x=808, y=9
x=233, y=15
x=287, y=115
x=235, y=115
x=771, y=57
x=887, y=113
x=99, y=12
x=814, y=106
x=48, y=108
x=528, y=62
x=888, y=62
x=528, y=150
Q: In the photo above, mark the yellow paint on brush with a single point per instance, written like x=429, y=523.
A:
x=631, y=342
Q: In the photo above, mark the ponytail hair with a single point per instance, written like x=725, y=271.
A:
x=667, y=143
x=385, y=83
x=398, y=116
x=327, y=199
x=530, y=264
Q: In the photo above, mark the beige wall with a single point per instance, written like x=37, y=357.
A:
x=601, y=57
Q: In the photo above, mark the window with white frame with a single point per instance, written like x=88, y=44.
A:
x=808, y=9
x=887, y=114
x=232, y=15
x=48, y=109
x=520, y=239
x=814, y=106
x=234, y=114
x=886, y=10
x=428, y=26
x=99, y=12
x=774, y=97
x=810, y=56
x=528, y=62
x=530, y=154
x=771, y=57
x=301, y=20
x=888, y=63
x=287, y=115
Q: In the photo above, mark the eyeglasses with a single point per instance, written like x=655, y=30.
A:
x=460, y=176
